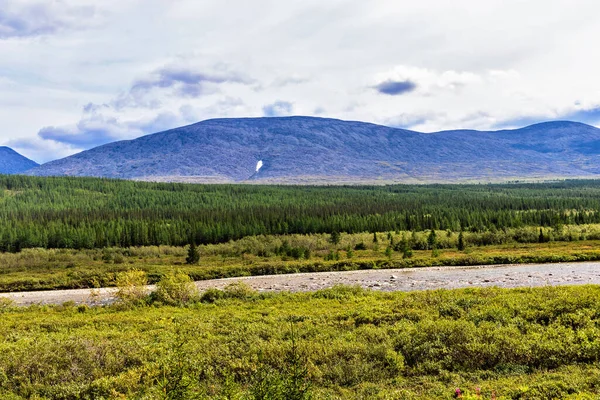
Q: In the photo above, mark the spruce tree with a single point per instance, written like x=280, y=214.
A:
x=461, y=241
x=388, y=252
x=335, y=237
x=432, y=239
x=193, y=256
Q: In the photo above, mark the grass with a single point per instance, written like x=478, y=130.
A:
x=340, y=343
x=39, y=269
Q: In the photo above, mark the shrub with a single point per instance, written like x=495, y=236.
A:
x=6, y=303
x=131, y=286
x=236, y=290
x=212, y=295
x=335, y=237
x=360, y=246
x=239, y=290
x=176, y=289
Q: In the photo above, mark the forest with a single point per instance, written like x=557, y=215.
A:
x=88, y=213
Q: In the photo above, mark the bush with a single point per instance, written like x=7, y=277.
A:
x=6, y=304
x=236, y=290
x=132, y=286
x=239, y=290
x=360, y=246
x=176, y=288
x=212, y=295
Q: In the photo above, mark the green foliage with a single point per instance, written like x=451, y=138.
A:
x=193, y=255
x=131, y=287
x=332, y=256
x=5, y=304
x=388, y=252
x=176, y=288
x=432, y=240
x=86, y=213
x=461, y=242
x=235, y=290
x=541, y=237
x=335, y=237
x=342, y=342
x=38, y=269
x=360, y=246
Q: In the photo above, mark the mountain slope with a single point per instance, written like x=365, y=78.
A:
x=307, y=149
x=12, y=162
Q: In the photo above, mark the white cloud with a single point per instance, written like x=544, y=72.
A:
x=84, y=72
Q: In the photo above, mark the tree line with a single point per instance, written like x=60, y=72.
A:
x=66, y=212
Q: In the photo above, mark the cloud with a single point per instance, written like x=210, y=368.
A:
x=25, y=18
x=277, y=109
x=40, y=151
x=410, y=121
x=587, y=116
x=188, y=81
x=394, y=88
x=290, y=80
x=153, y=104
x=520, y=122
x=403, y=79
x=97, y=129
x=131, y=61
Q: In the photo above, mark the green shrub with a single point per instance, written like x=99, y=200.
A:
x=360, y=246
x=212, y=295
x=239, y=290
x=176, y=289
x=6, y=304
x=236, y=290
x=132, y=286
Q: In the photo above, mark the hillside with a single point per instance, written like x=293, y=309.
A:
x=318, y=150
x=12, y=162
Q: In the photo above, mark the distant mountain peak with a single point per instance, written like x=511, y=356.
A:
x=298, y=149
x=12, y=162
x=558, y=124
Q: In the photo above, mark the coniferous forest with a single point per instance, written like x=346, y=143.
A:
x=86, y=213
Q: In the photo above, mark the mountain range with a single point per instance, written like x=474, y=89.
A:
x=321, y=150
x=12, y=162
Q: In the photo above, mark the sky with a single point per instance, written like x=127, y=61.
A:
x=75, y=74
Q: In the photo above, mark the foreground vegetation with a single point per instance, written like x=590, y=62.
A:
x=332, y=344
x=86, y=213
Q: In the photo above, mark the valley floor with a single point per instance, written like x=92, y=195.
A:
x=386, y=280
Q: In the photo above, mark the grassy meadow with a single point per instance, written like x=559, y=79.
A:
x=340, y=343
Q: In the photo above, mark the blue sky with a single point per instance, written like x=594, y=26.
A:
x=77, y=73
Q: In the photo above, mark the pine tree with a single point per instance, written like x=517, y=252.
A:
x=193, y=256
x=335, y=237
x=388, y=252
x=461, y=242
x=432, y=239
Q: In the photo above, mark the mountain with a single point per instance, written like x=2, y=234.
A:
x=12, y=162
x=320, y=150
